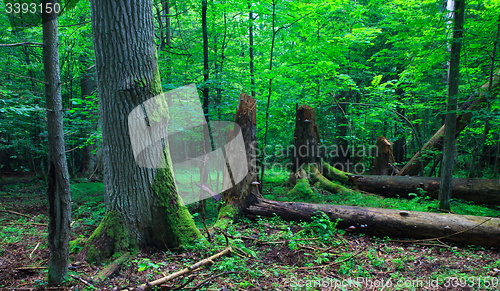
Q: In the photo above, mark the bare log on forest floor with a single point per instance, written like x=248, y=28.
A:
x=486, y=191
x=466, y=229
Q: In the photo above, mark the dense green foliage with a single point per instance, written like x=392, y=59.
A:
x=385, y=60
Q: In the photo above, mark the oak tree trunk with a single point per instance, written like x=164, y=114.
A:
x=142, y=204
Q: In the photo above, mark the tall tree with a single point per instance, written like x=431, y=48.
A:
x=142, y=204
x=451, y=115
x=250, y=36
x=58, y=189
x=204, y=7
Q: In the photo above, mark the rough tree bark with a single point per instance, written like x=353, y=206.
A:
x=58, y=189
x=383, y=158
x=142, y=205
x=482, y=231
x=244, y=193
x=436, y=142
x=306, y=138
x=451, y=107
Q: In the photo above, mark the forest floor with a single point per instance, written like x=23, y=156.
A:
x=268, y=254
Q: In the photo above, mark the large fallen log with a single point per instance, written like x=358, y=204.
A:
x=486, y=191
x=466, y=229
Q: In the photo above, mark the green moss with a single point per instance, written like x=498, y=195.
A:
x=302, y=190
x=176, y=222
x=111, y=237
x=334, y=174
x=227, y=214
x=76, y=245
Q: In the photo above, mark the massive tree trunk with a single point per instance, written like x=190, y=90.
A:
x=482, y=231
x=58, y=190
x=245, y=192
x=436, y=142
x=142, y=204
x=485, y=191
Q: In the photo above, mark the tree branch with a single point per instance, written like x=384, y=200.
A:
x=36, y=80
x=29, y=44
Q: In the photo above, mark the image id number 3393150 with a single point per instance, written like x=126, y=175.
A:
x=25, y=8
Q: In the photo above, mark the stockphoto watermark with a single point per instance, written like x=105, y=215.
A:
x=261, y=157
x=426, y=283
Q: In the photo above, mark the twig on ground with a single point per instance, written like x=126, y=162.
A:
x=81, y=280
x=190, y=269
x=208, y=279
x=16, y=213
x=36, y=247
x=334, y=263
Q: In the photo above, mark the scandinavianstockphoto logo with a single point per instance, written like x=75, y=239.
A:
x=207, y=158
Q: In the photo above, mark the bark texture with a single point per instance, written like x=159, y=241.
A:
x=244, y=193
x=384, y=157
x=306, y=138
x=144, y=199
x=389, y=222
x=58, y=190
x=451, y=107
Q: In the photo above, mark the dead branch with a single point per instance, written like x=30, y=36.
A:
x=334, y=263
x=190, y=269
x=24, y=77
x=81, y=280
x=208, y=279
x=28, y=44
x=16, y=213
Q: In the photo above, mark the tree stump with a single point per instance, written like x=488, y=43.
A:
x=384, y=157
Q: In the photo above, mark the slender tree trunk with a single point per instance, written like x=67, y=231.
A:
x=58, y=190
x=205, y=56
x=451, y=115
x=250, y=34
x=270, y=87
x=142, y=205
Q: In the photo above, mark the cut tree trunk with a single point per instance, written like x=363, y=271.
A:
x=306, y=138
x=436, y=142
x=382, y=164
x=482, y=231
x=245, y=192
x=485, y=191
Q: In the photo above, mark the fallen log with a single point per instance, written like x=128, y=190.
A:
x=465, y=229
x=485, y=191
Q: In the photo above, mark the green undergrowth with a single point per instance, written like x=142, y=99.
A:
x=418, y=202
